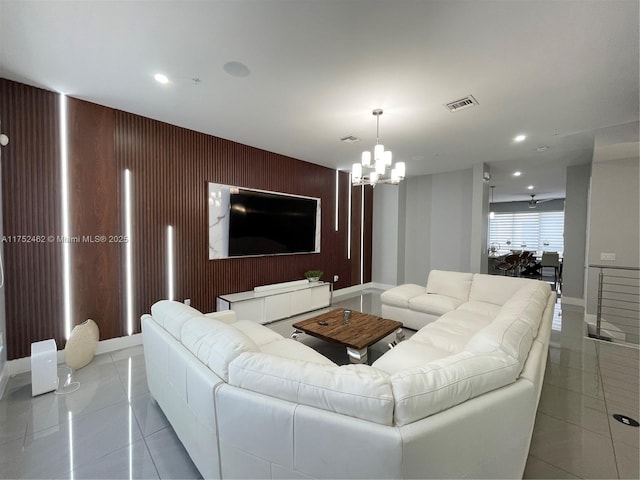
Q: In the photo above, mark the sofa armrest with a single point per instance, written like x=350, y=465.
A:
x=399, y=296
x=226, y=316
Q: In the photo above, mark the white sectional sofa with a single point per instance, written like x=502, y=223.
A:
x=416, y=306
x=456, y=400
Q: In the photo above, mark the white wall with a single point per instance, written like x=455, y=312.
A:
x=434, y=228
x=451, y=197
x=575, y=231
x=388, y=229
x=614, y=208
x=418, y=230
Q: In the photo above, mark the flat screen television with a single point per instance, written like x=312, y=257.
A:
x=269, y=223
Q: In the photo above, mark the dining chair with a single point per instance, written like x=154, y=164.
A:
x=510, y=263
x=550, y=259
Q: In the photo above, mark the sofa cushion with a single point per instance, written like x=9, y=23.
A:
x=215, y=343
x=495, y=289
x=287, y=348
x=450, y=284
x=172, y=315
x=452, y=331
x=434, y=303
x=441, y=384
x=399, y=296
x=509, y=335
x=407, y=355
x=528, y=304
x=481, y=308
x=260, y=334
x=226, y=316
x=354, y=390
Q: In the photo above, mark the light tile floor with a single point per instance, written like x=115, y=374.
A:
x=111, y=428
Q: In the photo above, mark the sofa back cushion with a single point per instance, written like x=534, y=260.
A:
x=172, y=315
x=529, y=304
x=507, y=334
x=450, y=284
x=355, y=390
x=215, y=343
x=495, y=289
x=441, y=384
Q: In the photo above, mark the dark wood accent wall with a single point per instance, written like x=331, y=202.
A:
x=170, y=168
x=31, y=216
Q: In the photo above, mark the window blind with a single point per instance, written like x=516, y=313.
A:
x=528, y=230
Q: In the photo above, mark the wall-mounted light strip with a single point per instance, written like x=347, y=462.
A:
x=337, y=196
x=131, y=476
x=349, y=220
x=128, y=251
x=170, y=284
x=64, y=207
x=362, y=236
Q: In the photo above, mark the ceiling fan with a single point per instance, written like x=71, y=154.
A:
x=533, y=202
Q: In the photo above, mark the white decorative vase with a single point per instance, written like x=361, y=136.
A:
x=81, y=346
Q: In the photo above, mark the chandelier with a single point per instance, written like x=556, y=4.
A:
x=382, y=161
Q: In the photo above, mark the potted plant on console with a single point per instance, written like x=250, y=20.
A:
x=313, y=275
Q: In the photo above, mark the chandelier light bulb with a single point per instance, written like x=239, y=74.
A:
x=373, y=177
x=366, y=158
x=356, y=172
x=378, y=152
x=401, y=169
x=387, y=158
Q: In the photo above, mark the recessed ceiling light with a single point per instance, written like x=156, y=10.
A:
x=530, y=187
x=519, y=138
x=160, y=78
x=517, y=174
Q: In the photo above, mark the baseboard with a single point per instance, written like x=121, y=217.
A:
x=349, y=290
x=381, y=286
x=360, y=288
x=22, y=365
x=579, y=302
x=118, y=343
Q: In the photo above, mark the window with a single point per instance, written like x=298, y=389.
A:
x=528, y=230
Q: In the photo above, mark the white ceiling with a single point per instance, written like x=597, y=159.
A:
x=556, y=71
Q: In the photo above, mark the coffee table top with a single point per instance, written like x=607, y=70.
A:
x=363, y=331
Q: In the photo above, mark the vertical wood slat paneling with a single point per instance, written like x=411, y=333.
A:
x=170, y=169
x=31, y=208
x=174, y=192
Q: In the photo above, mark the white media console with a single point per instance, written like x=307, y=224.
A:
x=268, y=303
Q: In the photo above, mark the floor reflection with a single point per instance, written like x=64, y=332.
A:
x=110, y=427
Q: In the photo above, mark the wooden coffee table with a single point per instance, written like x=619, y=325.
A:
x=362, y=331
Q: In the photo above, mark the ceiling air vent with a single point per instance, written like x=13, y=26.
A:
x=350, y=139
x=462, y=103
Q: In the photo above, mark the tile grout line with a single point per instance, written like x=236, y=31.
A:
x=554, y=466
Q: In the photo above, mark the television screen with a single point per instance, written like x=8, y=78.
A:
x=267, y=223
